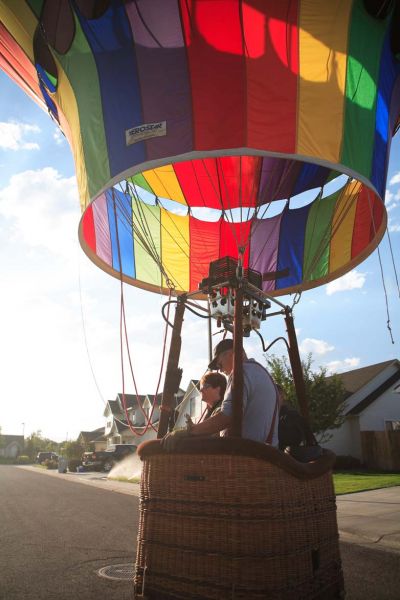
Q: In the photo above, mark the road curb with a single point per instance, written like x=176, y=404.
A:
x=120, y=487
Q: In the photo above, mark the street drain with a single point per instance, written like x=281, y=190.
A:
x=118, y=572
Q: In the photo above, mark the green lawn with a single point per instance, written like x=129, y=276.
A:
x=348, y=482
x=126, y=480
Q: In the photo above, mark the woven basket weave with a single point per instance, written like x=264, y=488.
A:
x=233, y=519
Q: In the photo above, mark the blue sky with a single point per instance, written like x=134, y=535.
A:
x=59, y=314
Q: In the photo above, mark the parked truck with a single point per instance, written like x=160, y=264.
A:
x=104, y=460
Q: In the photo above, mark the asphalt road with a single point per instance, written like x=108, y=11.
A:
x=56, y=533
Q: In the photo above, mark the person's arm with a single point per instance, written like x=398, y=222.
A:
x=171, y=441
x=212, y=425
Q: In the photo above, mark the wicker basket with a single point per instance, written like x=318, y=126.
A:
x=233, y=519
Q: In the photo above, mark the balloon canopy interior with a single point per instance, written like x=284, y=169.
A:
x=205, y=128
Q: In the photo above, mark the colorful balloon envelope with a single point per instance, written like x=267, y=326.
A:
x=189, y=120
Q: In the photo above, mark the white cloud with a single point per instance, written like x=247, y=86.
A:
x=338, y=366
x=395, y=227
x=12, y=136
x=315, y=346
x=58, y=137
x=350, y=281
x=388, y=196
x=395, y=179
x=43, y=210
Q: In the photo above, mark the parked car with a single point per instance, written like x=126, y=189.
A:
x=104, y=460
x=42, y=456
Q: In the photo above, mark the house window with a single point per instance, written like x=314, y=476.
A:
x=392, y=425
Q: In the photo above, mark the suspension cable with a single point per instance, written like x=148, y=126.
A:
x=123, y=326
x=381, y=269
x=393, y=263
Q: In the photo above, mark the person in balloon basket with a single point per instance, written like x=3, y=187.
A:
x=212, y=389
x=260, y=402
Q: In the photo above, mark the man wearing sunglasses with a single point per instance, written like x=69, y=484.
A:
x=260, y=402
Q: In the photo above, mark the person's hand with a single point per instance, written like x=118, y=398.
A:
x=170, y=441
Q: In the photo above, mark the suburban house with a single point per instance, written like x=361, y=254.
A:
x=370, y=432
x=93, y=440
x=372, y=413
x=11, y=446
x=139, y=409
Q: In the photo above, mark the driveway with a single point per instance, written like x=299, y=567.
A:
x=371, y=518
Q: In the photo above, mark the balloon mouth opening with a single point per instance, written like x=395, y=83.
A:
x=233, y=187
x=234, y=214
x=162, y=226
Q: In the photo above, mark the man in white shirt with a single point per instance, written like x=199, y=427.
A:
x=260, y=401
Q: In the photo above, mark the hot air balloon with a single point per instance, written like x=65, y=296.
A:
x=227, y=105
x=188, y=121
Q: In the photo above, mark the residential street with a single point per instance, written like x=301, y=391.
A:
x=56, y=533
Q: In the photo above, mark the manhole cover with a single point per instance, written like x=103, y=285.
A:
x=120, y=572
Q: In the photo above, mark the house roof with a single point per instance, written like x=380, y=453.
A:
x=358, y=408
x=131, y=399
x=120, y=425
x=90, y=436
x=101, y=438
x=114, y=407
x=354, y=380
x=152, y=397
x=8, y=439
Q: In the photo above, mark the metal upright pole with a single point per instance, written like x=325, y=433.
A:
x=209, y=332
x=173, y=374
x=237, y=375
x=295, y=363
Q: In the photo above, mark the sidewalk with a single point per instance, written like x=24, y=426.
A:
x=363, y=518
x=370, y=518
x=93, y=479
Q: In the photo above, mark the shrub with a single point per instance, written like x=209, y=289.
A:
x=73, y=463
x=347, y=463
x=23, y=459
x=50, y=464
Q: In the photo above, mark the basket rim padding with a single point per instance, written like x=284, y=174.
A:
x=198, y=445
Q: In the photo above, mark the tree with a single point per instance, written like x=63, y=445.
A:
x=72, y=450
x=325, y=395
x=37, y=443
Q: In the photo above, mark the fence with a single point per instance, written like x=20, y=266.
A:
x=381, y=449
